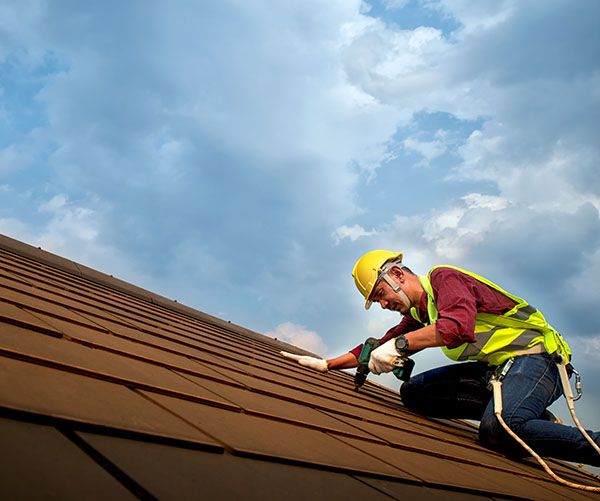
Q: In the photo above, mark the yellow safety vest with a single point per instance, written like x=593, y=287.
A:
x=519, y=331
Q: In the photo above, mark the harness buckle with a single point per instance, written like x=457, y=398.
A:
x=500, y=372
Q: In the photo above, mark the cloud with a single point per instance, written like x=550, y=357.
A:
x=351, y=232
x=66, y=226
x=395, y=4
x=400, y=68
x=481, y=16
x=74, y=230
x=13, y=158
x=299, y=336
x=427, y=149
x=231, y=101
x=16, y=229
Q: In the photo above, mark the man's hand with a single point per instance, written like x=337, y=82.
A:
x=383, y=358
x=314, y=363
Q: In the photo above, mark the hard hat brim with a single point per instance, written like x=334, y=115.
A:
x=369, y=301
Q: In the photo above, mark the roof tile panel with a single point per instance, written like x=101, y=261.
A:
x=182, y=474
x=9, y=313
x=99, y=364
x=38, y=459
x=41, y=390
x=257, y=436
x=443, y=472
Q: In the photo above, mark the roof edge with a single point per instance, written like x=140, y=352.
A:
x=66, y=265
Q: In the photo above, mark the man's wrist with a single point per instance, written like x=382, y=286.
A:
x=401, y=344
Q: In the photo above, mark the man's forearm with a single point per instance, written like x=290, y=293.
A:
x=425, y=337
x=345, y=361
x=417, y=340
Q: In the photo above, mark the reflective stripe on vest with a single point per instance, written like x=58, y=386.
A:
x=498, y=337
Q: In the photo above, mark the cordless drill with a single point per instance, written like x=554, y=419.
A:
x=362, y=371
x=403, y=369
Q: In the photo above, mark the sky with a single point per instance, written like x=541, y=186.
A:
x=239, y=157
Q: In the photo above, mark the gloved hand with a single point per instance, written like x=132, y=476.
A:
x=314, y=363
x=383, y=358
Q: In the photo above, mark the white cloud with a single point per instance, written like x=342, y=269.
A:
x=476, y=16
x=475, y=152
x=588, y=347
x=352, y=232
x=54, y=205
x=68, y=228
x=266, y=86
x=479, y=201
x=15, y=23
x=552, y=182
x=14, y=157
x=299, y=336
x=427, y=149
x=17, y=229
x=69, y=224
x=395, y=4
x=398, y=67
x=455, y=230
x=73, y=231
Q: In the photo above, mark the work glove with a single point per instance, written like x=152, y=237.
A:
x=314, y=363
x=383, y=358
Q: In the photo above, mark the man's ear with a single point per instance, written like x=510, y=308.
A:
x=397, y=272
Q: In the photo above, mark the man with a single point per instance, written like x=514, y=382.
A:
x=474, y=321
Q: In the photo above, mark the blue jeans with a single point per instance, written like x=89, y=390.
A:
x=459, y=391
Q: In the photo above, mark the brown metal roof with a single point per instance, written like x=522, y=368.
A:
x=110, y=391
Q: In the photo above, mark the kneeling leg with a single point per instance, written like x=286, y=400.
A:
x=457, y=391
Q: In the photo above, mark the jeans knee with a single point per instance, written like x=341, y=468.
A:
x=490, y=432
x=493, y=436
x=409, y=395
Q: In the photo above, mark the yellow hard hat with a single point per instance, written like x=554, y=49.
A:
x=366, y=271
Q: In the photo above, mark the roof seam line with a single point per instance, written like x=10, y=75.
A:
x=225, y=446
x=118, y=474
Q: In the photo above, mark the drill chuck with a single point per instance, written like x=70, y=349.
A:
x=362, y=371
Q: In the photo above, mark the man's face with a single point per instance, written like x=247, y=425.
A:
x=387, y=298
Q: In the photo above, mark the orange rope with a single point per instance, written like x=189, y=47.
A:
x=497, y=387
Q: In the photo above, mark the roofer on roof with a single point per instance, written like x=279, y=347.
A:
x=474, y=321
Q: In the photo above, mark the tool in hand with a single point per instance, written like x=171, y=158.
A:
x=403, y=365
